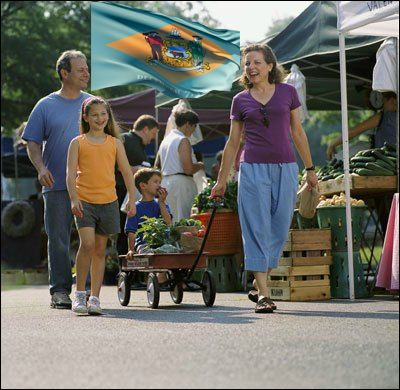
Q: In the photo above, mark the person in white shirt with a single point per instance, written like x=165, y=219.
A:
x=178, y=164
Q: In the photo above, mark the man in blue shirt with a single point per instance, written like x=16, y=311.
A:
x=51, y=126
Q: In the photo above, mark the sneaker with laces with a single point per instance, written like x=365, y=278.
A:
x=60, y=300
x=94, y=306
x=79, y=304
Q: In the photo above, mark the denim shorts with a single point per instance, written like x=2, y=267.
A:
x=104, y=218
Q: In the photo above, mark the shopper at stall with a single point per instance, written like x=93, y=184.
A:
x=384, y=123
x=268, y=110
x=178, y=164
x=144, y=131
x=51, y=126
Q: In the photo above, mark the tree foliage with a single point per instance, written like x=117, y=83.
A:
x=35, y=33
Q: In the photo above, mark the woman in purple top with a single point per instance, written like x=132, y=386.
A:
x=268, y=111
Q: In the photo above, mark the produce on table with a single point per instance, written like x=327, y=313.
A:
x=371, y=162
x=338, y=201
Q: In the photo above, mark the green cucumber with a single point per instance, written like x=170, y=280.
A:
x=362, y=159
x=366, y=172
x=381, y=156
x=378, y=168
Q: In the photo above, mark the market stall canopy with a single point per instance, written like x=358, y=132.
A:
x=311, y=42
x=214, y=122
x=368, y=17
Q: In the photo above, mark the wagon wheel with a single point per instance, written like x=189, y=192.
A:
x=124, y=288
x=209, y=289
x=153, y=291
x=177, y=292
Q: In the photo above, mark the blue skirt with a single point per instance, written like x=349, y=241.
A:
x=266, y=198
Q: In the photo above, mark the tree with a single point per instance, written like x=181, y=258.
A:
x=278, y=25
x=35, y=33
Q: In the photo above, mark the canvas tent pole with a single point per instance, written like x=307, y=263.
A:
x=345, y=140
x=331, y=101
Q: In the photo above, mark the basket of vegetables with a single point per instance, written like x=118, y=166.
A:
x=331, y=213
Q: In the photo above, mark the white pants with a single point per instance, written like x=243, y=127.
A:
x=181, y=193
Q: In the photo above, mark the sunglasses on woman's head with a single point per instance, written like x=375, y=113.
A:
x=263, y=110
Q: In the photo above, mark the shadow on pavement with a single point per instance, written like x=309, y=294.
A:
x=185, y=313
x=383, y=315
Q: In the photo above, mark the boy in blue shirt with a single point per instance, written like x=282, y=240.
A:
x=148, y=182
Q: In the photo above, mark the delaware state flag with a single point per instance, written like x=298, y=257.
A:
x=179, y=58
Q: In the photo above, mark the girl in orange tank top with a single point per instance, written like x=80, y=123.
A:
x=91, y=185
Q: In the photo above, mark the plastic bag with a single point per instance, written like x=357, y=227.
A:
x=297, y=79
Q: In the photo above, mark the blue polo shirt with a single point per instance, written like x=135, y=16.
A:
x=53, y=123
x=149, y=209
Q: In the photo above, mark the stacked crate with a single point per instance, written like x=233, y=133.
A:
x=334, y=217
x=223, y=248
x=303, y=272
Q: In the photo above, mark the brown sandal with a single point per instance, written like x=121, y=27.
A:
x=253, y=296
x=263, y=306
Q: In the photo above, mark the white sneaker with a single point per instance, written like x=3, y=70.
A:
x=79, y=304
x=93, y=306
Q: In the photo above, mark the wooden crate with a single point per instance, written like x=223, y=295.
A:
x=303, y=272
x=316, y=293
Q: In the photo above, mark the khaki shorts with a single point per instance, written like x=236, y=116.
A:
x=104, y=218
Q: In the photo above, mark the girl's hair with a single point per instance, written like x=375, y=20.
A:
x=277, y=73
x=112, y=127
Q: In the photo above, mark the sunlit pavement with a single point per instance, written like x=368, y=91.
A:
x=331, y=344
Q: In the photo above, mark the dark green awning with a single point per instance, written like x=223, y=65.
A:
x=311, y=41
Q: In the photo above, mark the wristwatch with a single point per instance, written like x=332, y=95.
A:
x=312, y=168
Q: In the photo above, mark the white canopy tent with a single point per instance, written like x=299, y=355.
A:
x=378, y=18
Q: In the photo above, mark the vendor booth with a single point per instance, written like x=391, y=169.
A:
x=355, y=18
x=311, y=42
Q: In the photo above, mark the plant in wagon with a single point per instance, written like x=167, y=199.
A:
x=155, y=232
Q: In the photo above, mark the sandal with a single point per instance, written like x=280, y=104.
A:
x=263, y=306
x=253, y=296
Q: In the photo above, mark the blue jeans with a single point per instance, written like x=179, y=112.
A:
x=58, y=224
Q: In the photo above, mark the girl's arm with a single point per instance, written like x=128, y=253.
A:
x=230, y=152
x=72, y=168
x=131, y=245
x=125, y=168
x=301, y=142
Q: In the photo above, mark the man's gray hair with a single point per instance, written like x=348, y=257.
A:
x=64, y=61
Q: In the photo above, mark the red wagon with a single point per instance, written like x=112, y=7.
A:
x=179, y=268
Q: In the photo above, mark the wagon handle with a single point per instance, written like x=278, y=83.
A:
x=217, y=202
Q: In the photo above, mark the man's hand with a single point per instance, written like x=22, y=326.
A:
x=46, y=178
x=130, y=254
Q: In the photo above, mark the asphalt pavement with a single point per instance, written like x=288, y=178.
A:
x=331, y=344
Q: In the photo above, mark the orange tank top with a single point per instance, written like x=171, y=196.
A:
x=95, y=182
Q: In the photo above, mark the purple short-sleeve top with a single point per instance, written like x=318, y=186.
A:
x=264, y=144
